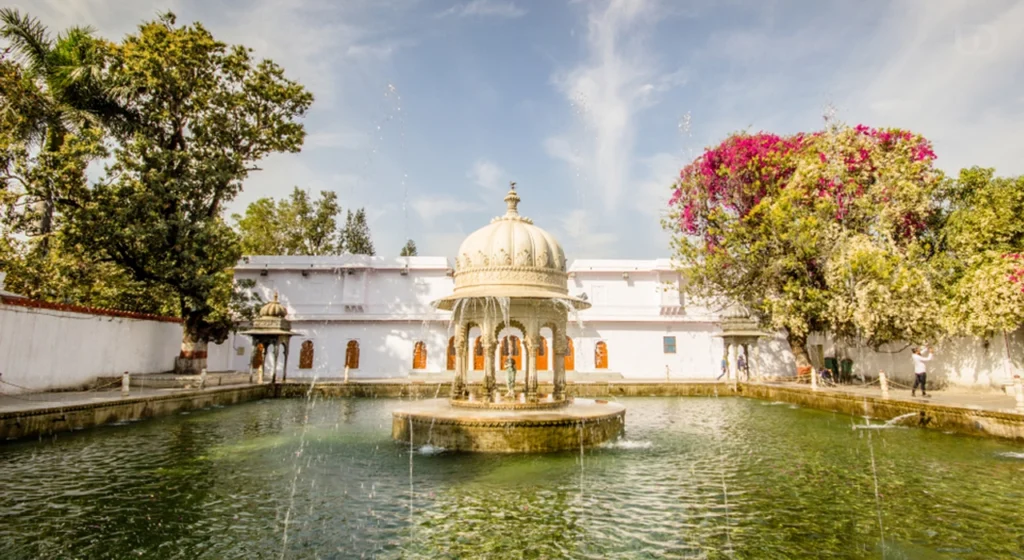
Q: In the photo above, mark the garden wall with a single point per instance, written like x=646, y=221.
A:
x=47, y=346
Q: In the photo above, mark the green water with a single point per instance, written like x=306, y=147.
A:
x=697, y=478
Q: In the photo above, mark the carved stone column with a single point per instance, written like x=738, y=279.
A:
x=284, y=368
x=459, y=381
x=532, y=345
x=490, y=345
x=732, y=369
x=559, y=349
x=277, y=349
x=756, y=358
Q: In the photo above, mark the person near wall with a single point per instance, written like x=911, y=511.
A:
x=920, y=369
x=741, y=366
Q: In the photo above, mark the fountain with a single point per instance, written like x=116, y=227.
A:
x=509, y=274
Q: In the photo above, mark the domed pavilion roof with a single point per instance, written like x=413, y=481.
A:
x=511, y=257
x=273, y=308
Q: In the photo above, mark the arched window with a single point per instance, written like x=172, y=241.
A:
x=451, y=353
x=257, y=356
x=352, y=354
x=601, y=355
x=542, y=355
x=478, y=354
x=570, y=355
x=306, y=355
x=419, y=355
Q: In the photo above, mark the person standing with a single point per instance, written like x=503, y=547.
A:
x=920, y=370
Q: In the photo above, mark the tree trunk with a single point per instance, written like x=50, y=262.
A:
x=798, y=345
x=192, y=359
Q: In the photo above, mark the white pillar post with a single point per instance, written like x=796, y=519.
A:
x=883, y=381
x=125, y=384
x=757, y=361
x=1018, y=389
x=731, y=368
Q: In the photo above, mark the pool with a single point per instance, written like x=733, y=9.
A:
x=694, y=477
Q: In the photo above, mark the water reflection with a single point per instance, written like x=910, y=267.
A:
x=694, y=478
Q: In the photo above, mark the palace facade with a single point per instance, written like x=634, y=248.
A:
x=374, y=315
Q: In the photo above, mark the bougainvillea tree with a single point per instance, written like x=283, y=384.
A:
x=984, y=249
x=786, y=224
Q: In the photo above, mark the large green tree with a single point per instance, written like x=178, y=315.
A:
x=63, y=89
x=292, y=226
x=355, y=235
x=812, y=232
x=39, y=261
x=206, y=113
x=983, y=242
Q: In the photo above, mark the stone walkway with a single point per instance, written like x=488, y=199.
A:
x=976, y=400
x=960, y=398
x=39, y=401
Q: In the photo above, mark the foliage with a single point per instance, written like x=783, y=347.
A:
x=984, y=238
x=409, y=249
x=293, y=226
x=355, y=236
x=791, y=226
x=56, y=88
x=206, y=113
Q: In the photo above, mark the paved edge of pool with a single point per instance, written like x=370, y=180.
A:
x=943, y=417
x=35, y=421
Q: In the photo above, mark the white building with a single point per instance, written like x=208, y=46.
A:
x=373, y=316
x=638, y=324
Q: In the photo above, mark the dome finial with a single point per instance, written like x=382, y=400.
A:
x=512, y=200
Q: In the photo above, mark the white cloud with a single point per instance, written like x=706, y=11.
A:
x=952, y=74
x=579, y=238
x=485, y=8
x=430, y=208
x=348, y=140
x=560, y=148
x=653, y=189
x=618, y=80
x=487, y=174
x=376, y=51
x=440, y=243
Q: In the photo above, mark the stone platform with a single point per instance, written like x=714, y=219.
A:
x=435, y=422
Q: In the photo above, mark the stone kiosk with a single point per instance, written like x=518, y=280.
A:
x=509, y=274
x=740, y=333
x=271, y=329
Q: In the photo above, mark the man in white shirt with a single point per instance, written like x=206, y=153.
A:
x=920, y=370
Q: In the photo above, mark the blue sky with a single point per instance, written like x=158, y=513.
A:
x=426, y=109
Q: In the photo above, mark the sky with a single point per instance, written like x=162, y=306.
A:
x=426, y=109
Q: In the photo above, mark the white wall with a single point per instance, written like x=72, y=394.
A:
x=964, y=362
x=385, y=348
x=48, y=349
x=636, y=350
x=43, y=349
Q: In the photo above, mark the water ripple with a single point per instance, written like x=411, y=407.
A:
x=696, y=478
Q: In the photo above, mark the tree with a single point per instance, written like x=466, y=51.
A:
x=409, y=249
x=355, y=236
x=294, y=226
x=206, y=114
x=786, y=225
x=983, y=241
x=63, y=88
